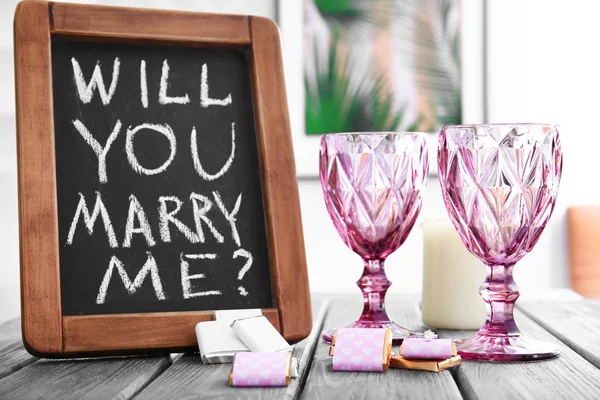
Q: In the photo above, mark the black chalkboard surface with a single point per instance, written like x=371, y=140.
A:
x=158, y=185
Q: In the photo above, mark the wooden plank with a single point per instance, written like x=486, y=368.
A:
x=13, y=355
x=134, y=24
x=38, y=227
x=189, y=378
x=118, y=378
x=324, y=383
x=575, y=323
x=305, y=360
x=87, y=334
x=566, y=376
x=280, y=188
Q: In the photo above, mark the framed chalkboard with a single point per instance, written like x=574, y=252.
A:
x=156, y=178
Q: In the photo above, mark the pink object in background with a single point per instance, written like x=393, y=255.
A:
x=499, y=183
x=360, y=349
x=261, y=369
x=373, y=184
x=434, y=349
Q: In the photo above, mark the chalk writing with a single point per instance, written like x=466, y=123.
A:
x=86, y=92
x=186, y=278
x=198, y=165
x=137, y=212
x=133, y=161
x=205, y=99
x=208, y=218
x=149, y=267
x=89, y=220
x=143, y=84
x=163, y=98
x=100, y=152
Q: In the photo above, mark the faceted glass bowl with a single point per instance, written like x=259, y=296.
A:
x=373, y=184
x=499, y=184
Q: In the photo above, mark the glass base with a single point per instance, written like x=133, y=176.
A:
x=398, y=332
x=504, y=348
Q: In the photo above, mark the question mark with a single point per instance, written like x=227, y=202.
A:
x=245, y=268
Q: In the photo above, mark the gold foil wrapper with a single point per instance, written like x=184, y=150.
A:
x=387, y=349
x=424, y=365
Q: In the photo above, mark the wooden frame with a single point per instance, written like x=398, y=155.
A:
x=46, y=331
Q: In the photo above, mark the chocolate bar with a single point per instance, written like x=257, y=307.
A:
x=259, y=335
x=429, y=349
x=261, y=369
x=217, y=342
x=361, y=349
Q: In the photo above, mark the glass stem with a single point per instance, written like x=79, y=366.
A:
x=374, y=284
x=500, y=292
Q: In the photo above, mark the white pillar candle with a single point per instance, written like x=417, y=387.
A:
x=451, y=279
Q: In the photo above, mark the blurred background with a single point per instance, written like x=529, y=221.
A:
x=520, y=61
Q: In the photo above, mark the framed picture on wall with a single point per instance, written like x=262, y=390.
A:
x=380, y=65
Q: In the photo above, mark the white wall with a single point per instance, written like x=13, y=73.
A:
x=9, y=239
x=543, y=66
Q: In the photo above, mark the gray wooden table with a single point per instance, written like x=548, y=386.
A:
x=575, y=374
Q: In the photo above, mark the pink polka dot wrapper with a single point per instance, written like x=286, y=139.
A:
x=361, y=349
x=261, y=369
x=423, y=349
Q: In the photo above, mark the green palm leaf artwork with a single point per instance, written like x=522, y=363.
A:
x=383, y=115
x=332, y=107
x=381, y=65
x=337, y=7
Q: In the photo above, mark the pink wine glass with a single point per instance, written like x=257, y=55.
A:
x=372, y=184
x=499, y=183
